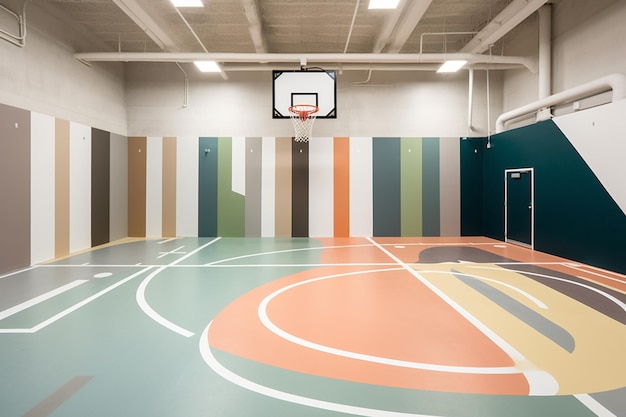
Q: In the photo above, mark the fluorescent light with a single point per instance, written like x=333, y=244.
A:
x=451, y=66
x=207, y=66
x=383, y=4
x=187, y=3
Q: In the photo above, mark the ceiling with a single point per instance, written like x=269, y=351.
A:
x=241, y=34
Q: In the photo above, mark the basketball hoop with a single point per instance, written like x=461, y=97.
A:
x=303, y=116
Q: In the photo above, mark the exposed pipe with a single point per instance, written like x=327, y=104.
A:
x=470, y=101
x=545, y=50
x=356, y=9
x=440, y=34
x=364, y=58
x=20, y=38
x=614, y=82
x=186, y=87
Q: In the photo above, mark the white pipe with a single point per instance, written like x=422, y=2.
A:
x=333, y=58
x=545, y=50
x=614, y=82
x=470, y=101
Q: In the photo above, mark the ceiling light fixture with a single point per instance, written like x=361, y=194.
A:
x=452, y=66
x=207, y=66
x=187, y=3
x=383, y=4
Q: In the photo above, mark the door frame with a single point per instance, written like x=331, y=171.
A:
x=532, y=206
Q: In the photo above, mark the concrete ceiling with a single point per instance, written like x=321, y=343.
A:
x=268, y=28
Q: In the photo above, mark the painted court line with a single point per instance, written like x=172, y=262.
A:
x=75, y=307
x=267, y=322
x=540, y=382
x=57, y=398
x=39, y=299
x=621, y=281
x=17, y=272
x=594, y=405
x=286, y=251
x=207, y=355
x=140, y=296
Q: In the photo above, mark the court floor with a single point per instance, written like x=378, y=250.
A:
x=447, y=327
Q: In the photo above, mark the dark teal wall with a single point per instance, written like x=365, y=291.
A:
x=574, y=215
x=471, y=159
x=386, y=186
x=207, y=187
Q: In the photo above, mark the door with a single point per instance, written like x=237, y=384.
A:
x=519, y=206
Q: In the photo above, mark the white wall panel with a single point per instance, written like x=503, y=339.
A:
x=154, y=187
x=187, y=186
x=80, y=187
x=42, y=187
x=598, y=136
x=268, y=186
x=361, y=188
x=321, y=187
x=238, y=166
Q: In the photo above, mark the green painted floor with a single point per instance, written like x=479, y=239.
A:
x=133, y=365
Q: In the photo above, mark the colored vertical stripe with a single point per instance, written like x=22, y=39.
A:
x=118, y=220
x=62, y=188
x=231, y=216
x=168, y=225
x=207, y=187
x=100, y=186
x=361, y=187
x=411, y=186
x=386, y=186
x=283, y=187
x=42, y=191
x=253, y=181
x=15, y=198
x=268, y=180
x=450, y=187
x=300, y=189
x=341, y=187
x=430, y=187
x=321, y=178
x=187, y=186
x=137, y=147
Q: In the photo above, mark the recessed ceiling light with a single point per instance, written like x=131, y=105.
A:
x=207, y=66
x=452, y=66
x=383, y=4
x=187, y=3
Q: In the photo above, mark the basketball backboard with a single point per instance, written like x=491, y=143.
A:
x=315, y=86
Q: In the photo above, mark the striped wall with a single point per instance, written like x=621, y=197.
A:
x=276, y=187
x=63, y=187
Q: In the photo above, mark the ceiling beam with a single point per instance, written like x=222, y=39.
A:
x=147, y=24
x=331, y=58
x=399, y=25
x=255, y=25
x=512, y=15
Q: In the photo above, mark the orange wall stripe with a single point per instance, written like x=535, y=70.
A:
x=341, y=148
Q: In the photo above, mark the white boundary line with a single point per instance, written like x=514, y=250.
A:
x=149, y=311
x=207, y=355
x=17, y=272
x=40, y=299
x=75, y=307
x=593, y=405
x=540, y=382
x=267, y=322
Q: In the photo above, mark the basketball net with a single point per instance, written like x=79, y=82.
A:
x=303, y=116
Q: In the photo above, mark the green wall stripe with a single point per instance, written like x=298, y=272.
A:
x=430, y=187
x=386, y=186
x=100, y=186
x=411, y=186
x=207, y=187
x=300, y=189
x=254, y=151
x=231, y=215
